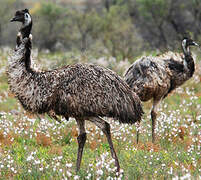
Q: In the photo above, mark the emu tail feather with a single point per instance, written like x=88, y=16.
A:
x=131, y=109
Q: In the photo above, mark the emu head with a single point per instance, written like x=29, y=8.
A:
x=22, y=16
x=186, y=43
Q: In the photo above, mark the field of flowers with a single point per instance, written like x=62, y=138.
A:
x=37, y=147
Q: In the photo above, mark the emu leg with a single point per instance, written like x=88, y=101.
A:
x=105, y=127
x=138, y=132
x=81, y=142
x=153, y=118
x=66, y=117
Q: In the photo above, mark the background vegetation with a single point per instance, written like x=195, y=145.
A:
x=111, y=33
x=120, y=28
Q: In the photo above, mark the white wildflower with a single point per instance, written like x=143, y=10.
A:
x=76, y=177
x=69, y=165
x=100, y=172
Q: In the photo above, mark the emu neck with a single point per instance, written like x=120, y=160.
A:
x=27, y=56
x=190, y=64
x=186, y=50
x=188, y=61
x=26, y=30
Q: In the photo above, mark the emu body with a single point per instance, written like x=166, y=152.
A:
x=80, y=90
x=155, y=77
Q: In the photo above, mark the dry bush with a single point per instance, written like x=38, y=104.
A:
x=6, y=140
x=55, y=150
x=74, y=131
x=43, y=140
x=149, y=146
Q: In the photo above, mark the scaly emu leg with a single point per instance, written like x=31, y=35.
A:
x=105, y=127
x=153, y=117
x=81, y=141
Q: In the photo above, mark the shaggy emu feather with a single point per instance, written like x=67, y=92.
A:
x=82, y=91
x=155, y=77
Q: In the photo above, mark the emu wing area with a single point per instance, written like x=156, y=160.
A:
x=89, y=90
x=149, y=78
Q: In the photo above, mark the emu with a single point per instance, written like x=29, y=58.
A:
x=82, y=91
x=155, y=77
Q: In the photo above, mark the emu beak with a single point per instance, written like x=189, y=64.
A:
x=16, y=18
x=195, y=44
x=13, y=19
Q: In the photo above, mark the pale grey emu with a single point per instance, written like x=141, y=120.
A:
x=155, y=77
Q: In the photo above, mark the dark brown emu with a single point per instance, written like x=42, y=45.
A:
x=155, y=77
x=83, y=91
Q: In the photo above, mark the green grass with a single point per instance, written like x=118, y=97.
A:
x=33, y=148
